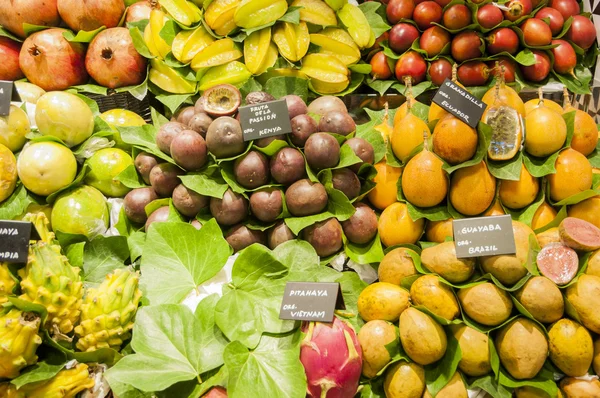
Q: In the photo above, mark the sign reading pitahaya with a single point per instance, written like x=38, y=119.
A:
x=311, y=301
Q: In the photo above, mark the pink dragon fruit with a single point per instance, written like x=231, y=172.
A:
x=332, y=359
x=216, y=392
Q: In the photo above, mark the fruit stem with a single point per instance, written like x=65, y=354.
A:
x=408, y=84
x=425, y=141
x=500, y=6
x=454, y=72
x=386, y=115
x=540, y=96
x=566, y=100
x=34, y=51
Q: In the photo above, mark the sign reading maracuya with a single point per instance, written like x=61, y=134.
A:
x=311, y=301
x=459, y=102
x=483, y=236
x=14, y=241
x=266, y=119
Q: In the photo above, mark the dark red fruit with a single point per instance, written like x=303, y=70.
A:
x=556, y=19
x=510, y=68
x=380, y=67
x=427, y=12
x=538, y=71
x=433, y=40
x=399, y=9
x=489, y=16
x=402, y=37
x=565, y=58
x=517, y=9
x=443, y=3
x=568, y=8
x=9, y=53
x=385, y=36
x=465, y=46
x=503, y=39
x=411, y=64
x=536, y=32
x=457, y=16
x=582, y=32
x=439, y=70
x=473, y=73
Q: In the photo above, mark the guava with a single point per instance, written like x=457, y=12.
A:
x=82, y=211
x=13, y=128
x=105, y=165
x=121, y=118
x=8, y=172
x=64, y=116
x=45, y=167
x=29, y=92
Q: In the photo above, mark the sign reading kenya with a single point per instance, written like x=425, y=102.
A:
x=14, y=241
x=265, y=120
x=459, y=102
x=483, y=236
x=311, y=301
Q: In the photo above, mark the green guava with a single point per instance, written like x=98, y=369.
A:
x=46, y=167
x=29, y=92
x=82, y=211
x=64, y=116
x=13, y=128
x=121, y=118
x=105, y=165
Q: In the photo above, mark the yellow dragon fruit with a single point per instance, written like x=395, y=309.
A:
x=108, y=312
x=49, y=280
x=19, y=340
x=7, y=283
x=66, y=384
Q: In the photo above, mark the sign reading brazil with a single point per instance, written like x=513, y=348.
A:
x=483, y=236
x=311, y=301
x=459, y=102
x=14, y=241
x=265, y=120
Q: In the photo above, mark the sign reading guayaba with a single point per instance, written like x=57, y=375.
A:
x=483, y=236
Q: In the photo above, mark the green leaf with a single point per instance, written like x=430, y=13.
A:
x=363, y=68
x=416, y=89
x=272, y=148
x=507, y=169
x=578, y=84
x=74, y=253
x=540, y=167
x=173, y=101
x=30, y=29
x=381, y=86
x=303, y=263
x=273, y=367
x=190, y=345
x=82, y=36
x=169, y=31
x=157, y=119
x=102, y=256
x=367, y=253
x=177, y=258
x=207, y=183
x=16, y=204
x=91, y=88
x=156, y=204
x=438, y=375
x=139, y=43
x=143, y=137
x=292, y=15
x=41, y=371
x=130, y=178
x=136, y=242
x=485, y=135
x=367, y=132
x=376, y=22
x=490, y=385
x=543, y=381
x=6, y=33
x=249, y=86
x=281, y=86
x=561, y=215
x=352, y=286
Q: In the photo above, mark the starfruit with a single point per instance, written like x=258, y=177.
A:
x=66, y=384
x=232, y=73
x=156, y=44
x=169, y=79
x=253, y=13
x=107, y=313
x=292, y=40
x=219, y=16
x=259, y=52
x=49, y=280
x=217, y=53
x=19, y=340
x=7, y=283
x=356, y=22
x=316, y=12
x=336, y=4
x=183, y=11
x=328, y=75
x=280, y=72
x=188, y=43
x=337, y=42
x=150, y=41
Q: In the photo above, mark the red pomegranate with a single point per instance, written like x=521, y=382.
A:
x=112, y=60
x=50, y=61
x=582, y=32
x=9, y=54
x=138, y=11
x=91, y=14
x=13, y=13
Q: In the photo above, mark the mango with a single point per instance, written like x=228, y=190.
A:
x=474, y=345
x=373, y=337
x=542, y=299
x=584, y=297
x=396, y=227
x=454, y=389
x=404, y=380
x=396, y=265
x=382, y=301
x=429, y=292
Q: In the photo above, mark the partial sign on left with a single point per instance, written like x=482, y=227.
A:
x=8, y=93
x=14, y=241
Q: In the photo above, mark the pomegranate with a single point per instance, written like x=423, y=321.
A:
x=538, y=71
x=465, y=46
x=433, y=40
x=457, y=16
x=411, y=64
x=112, y=60
x=473, y=73
x=51, y=62
x=503, y=39
x=536, y=32
x=91, y=14
x=582, y=32
x=439, y=70
x=556, y=19
x=489, y=16
x=399, y=9
x=332, y=359
x=380, y=66
x=510, y=68
x=13, y=13
x=138, y=11
x=402, y=37
x=565, y=58
x=427, y=12
x=9, y=54
x=517, y=9
x=568, y=8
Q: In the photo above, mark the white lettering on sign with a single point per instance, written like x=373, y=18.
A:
x=9, y=256
x=481, y=228
x=9, y=231
x=455, y=110
x=289, y=307
x=482, y=249
x=310, y=314
x=465, y=94
x=1, y=90
x=270, y=130
x=308, y=293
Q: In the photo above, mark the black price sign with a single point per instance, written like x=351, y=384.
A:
x=14, y=241
x=265, y=120
x=8, y=93
x=311, y=301
x=459, y=102
x=483, y=236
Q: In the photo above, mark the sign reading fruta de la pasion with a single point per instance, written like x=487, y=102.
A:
x=266, y=119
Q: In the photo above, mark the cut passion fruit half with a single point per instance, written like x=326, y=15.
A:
x=221, y=100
